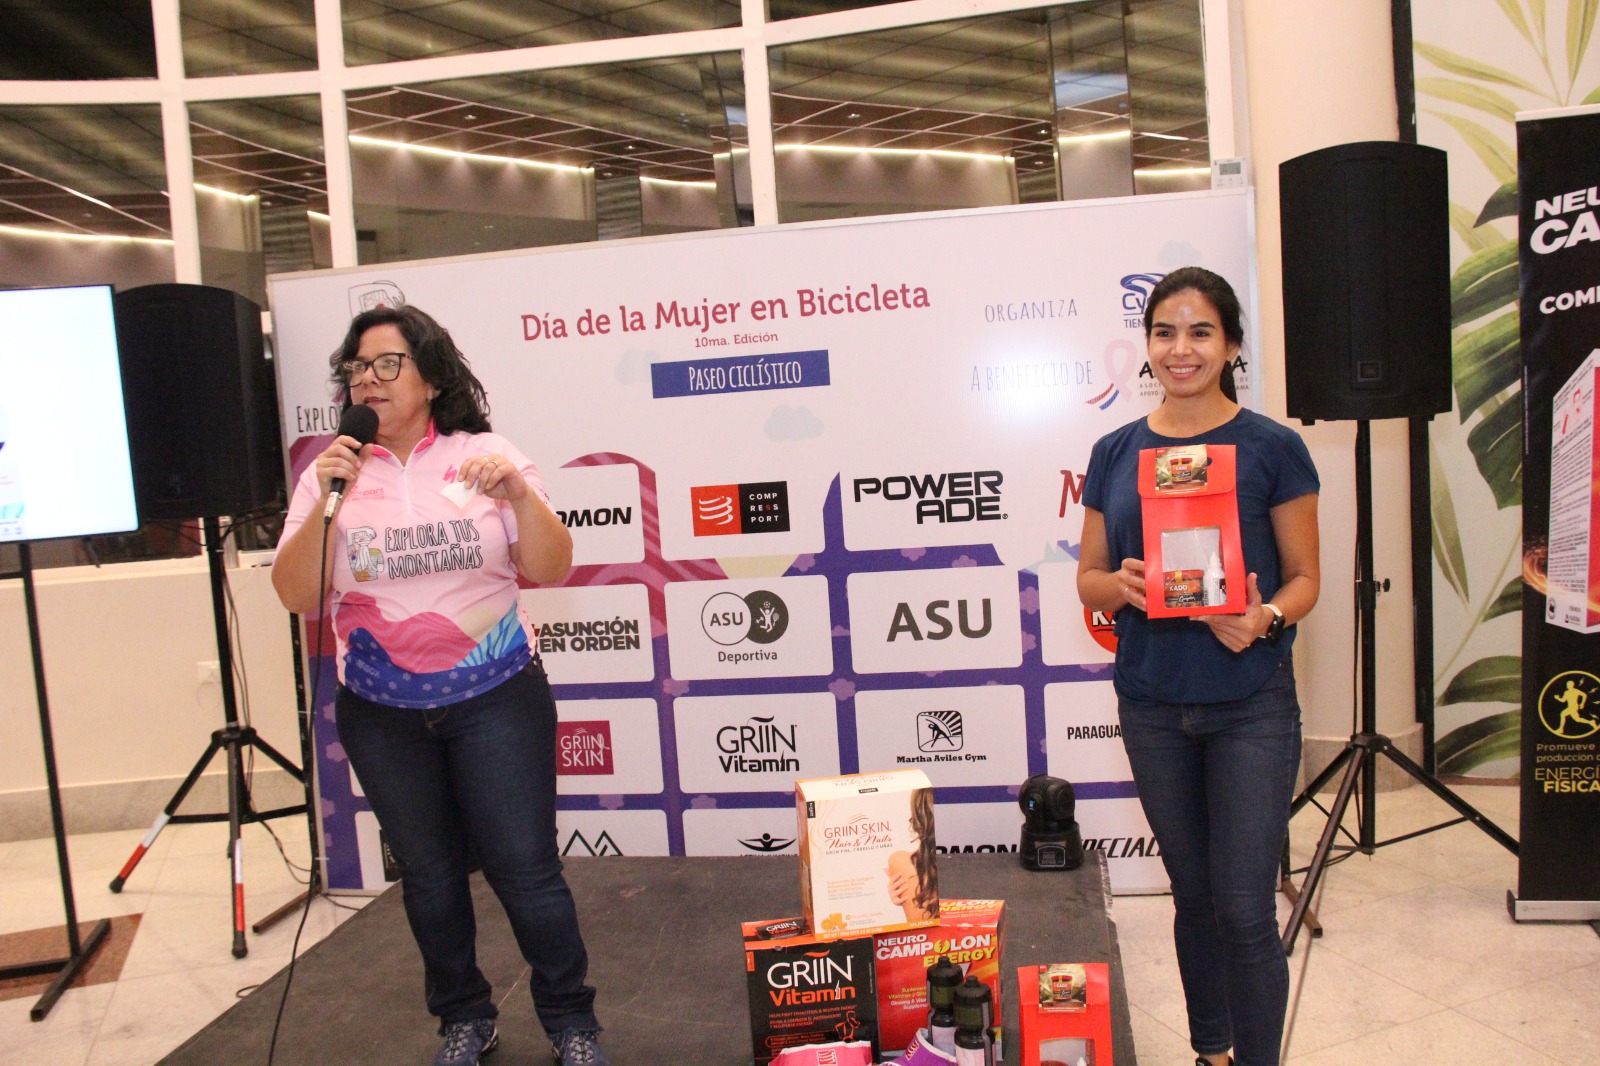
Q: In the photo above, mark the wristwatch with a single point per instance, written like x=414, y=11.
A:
x=1275, y=627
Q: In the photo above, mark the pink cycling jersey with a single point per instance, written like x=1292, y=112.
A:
x=424, y=601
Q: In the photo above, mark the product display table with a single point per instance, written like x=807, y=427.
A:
x=664, y=952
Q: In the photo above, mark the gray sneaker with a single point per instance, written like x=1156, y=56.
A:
x=466, y=1042
x=579, y=1047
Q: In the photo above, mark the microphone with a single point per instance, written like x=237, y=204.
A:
x=358, y=421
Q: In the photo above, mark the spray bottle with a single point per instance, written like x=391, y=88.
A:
x=1215, y=583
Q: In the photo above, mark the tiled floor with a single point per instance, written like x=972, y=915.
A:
x=1420, y=964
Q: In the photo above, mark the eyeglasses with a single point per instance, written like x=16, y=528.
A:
x=386, y=366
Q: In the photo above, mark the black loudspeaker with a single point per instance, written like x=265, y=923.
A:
x=1366, y=282
x=201, y=401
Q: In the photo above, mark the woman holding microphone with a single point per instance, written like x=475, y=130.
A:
x=443, y=708
x=1207, y=705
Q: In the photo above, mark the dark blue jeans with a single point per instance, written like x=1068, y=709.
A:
x=482, y=770
x=1216, y=780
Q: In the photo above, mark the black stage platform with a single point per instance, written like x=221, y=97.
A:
x=664, y=952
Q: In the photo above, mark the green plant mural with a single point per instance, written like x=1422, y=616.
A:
x=1478, y=100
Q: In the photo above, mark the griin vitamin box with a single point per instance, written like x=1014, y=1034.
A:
x=867, y=861
x=970, y=932
x=804, y=990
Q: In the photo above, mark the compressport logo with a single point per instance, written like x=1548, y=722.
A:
x=939, y=731
x=956, y=496
x=759, y=745
x=729, y=619
x=725, y=510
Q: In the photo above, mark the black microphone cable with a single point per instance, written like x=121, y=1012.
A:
x=308, y=714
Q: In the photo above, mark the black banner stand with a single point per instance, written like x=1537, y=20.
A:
x=79, y=951
x=232, y=740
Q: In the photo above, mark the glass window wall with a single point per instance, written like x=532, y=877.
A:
x=260, y=37
x=76, y=40
x=381, y=31
x=554, y=157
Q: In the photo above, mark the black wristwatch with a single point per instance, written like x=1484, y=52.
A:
x=1275, y=627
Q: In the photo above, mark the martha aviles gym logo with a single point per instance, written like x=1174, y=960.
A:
x=940, y=738
x=939, y=731
x=1568, y=706
x=759, y=746
x=729, y=619
x=583, y=749
x=723, y=510
x=956, y=496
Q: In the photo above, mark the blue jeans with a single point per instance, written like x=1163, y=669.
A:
x=482, y=770
x=1216, y=780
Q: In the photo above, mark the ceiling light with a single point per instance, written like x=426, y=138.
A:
x=1165, y=136
x=470, y=117
x=478, y=156
x=1160, y=171
x=888, y=151
x=26, y=232
x=1114, y=135
x=853, y=114
x=673, y=181
x=225, y=192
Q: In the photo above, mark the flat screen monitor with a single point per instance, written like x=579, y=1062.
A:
x=64, y=464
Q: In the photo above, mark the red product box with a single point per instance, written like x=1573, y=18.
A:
x=806, y=990
x=970, y=931
x=1065, y=1037
x=1193, y=559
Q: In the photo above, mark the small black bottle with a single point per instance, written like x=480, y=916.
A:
x=944, y=977
x=974, y=1015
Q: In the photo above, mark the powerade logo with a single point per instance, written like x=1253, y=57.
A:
x=724, y=510
x=584, y=748
x=957, y=496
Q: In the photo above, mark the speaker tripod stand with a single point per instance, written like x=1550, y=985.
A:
x=1359, y=759
x=231, y=741
x=80, y=950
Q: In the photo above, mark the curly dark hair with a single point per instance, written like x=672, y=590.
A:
x=1213, y=287
x=925, y=860
x=461, y=403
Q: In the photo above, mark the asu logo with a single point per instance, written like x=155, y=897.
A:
x=1567, y=705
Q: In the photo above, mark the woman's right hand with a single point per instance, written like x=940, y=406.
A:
x=1130, y=579
x=342, y=458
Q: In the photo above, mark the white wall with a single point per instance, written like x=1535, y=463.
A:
x=1320, y=72
x=129, y=713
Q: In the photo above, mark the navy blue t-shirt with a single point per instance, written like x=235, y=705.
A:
x=1179, y=660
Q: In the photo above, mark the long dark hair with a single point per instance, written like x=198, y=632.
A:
x=1213, y=287
x=924, y=861
x=461, y=403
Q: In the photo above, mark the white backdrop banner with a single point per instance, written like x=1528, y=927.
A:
x=824, y=483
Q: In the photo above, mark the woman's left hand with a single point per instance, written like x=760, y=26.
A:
x=498, y=477
x=1238, y=631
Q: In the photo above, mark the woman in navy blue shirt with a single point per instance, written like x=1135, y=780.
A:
x=1207, y=705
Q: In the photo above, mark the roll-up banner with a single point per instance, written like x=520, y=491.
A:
x=1559, y=182
x=824, y=485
